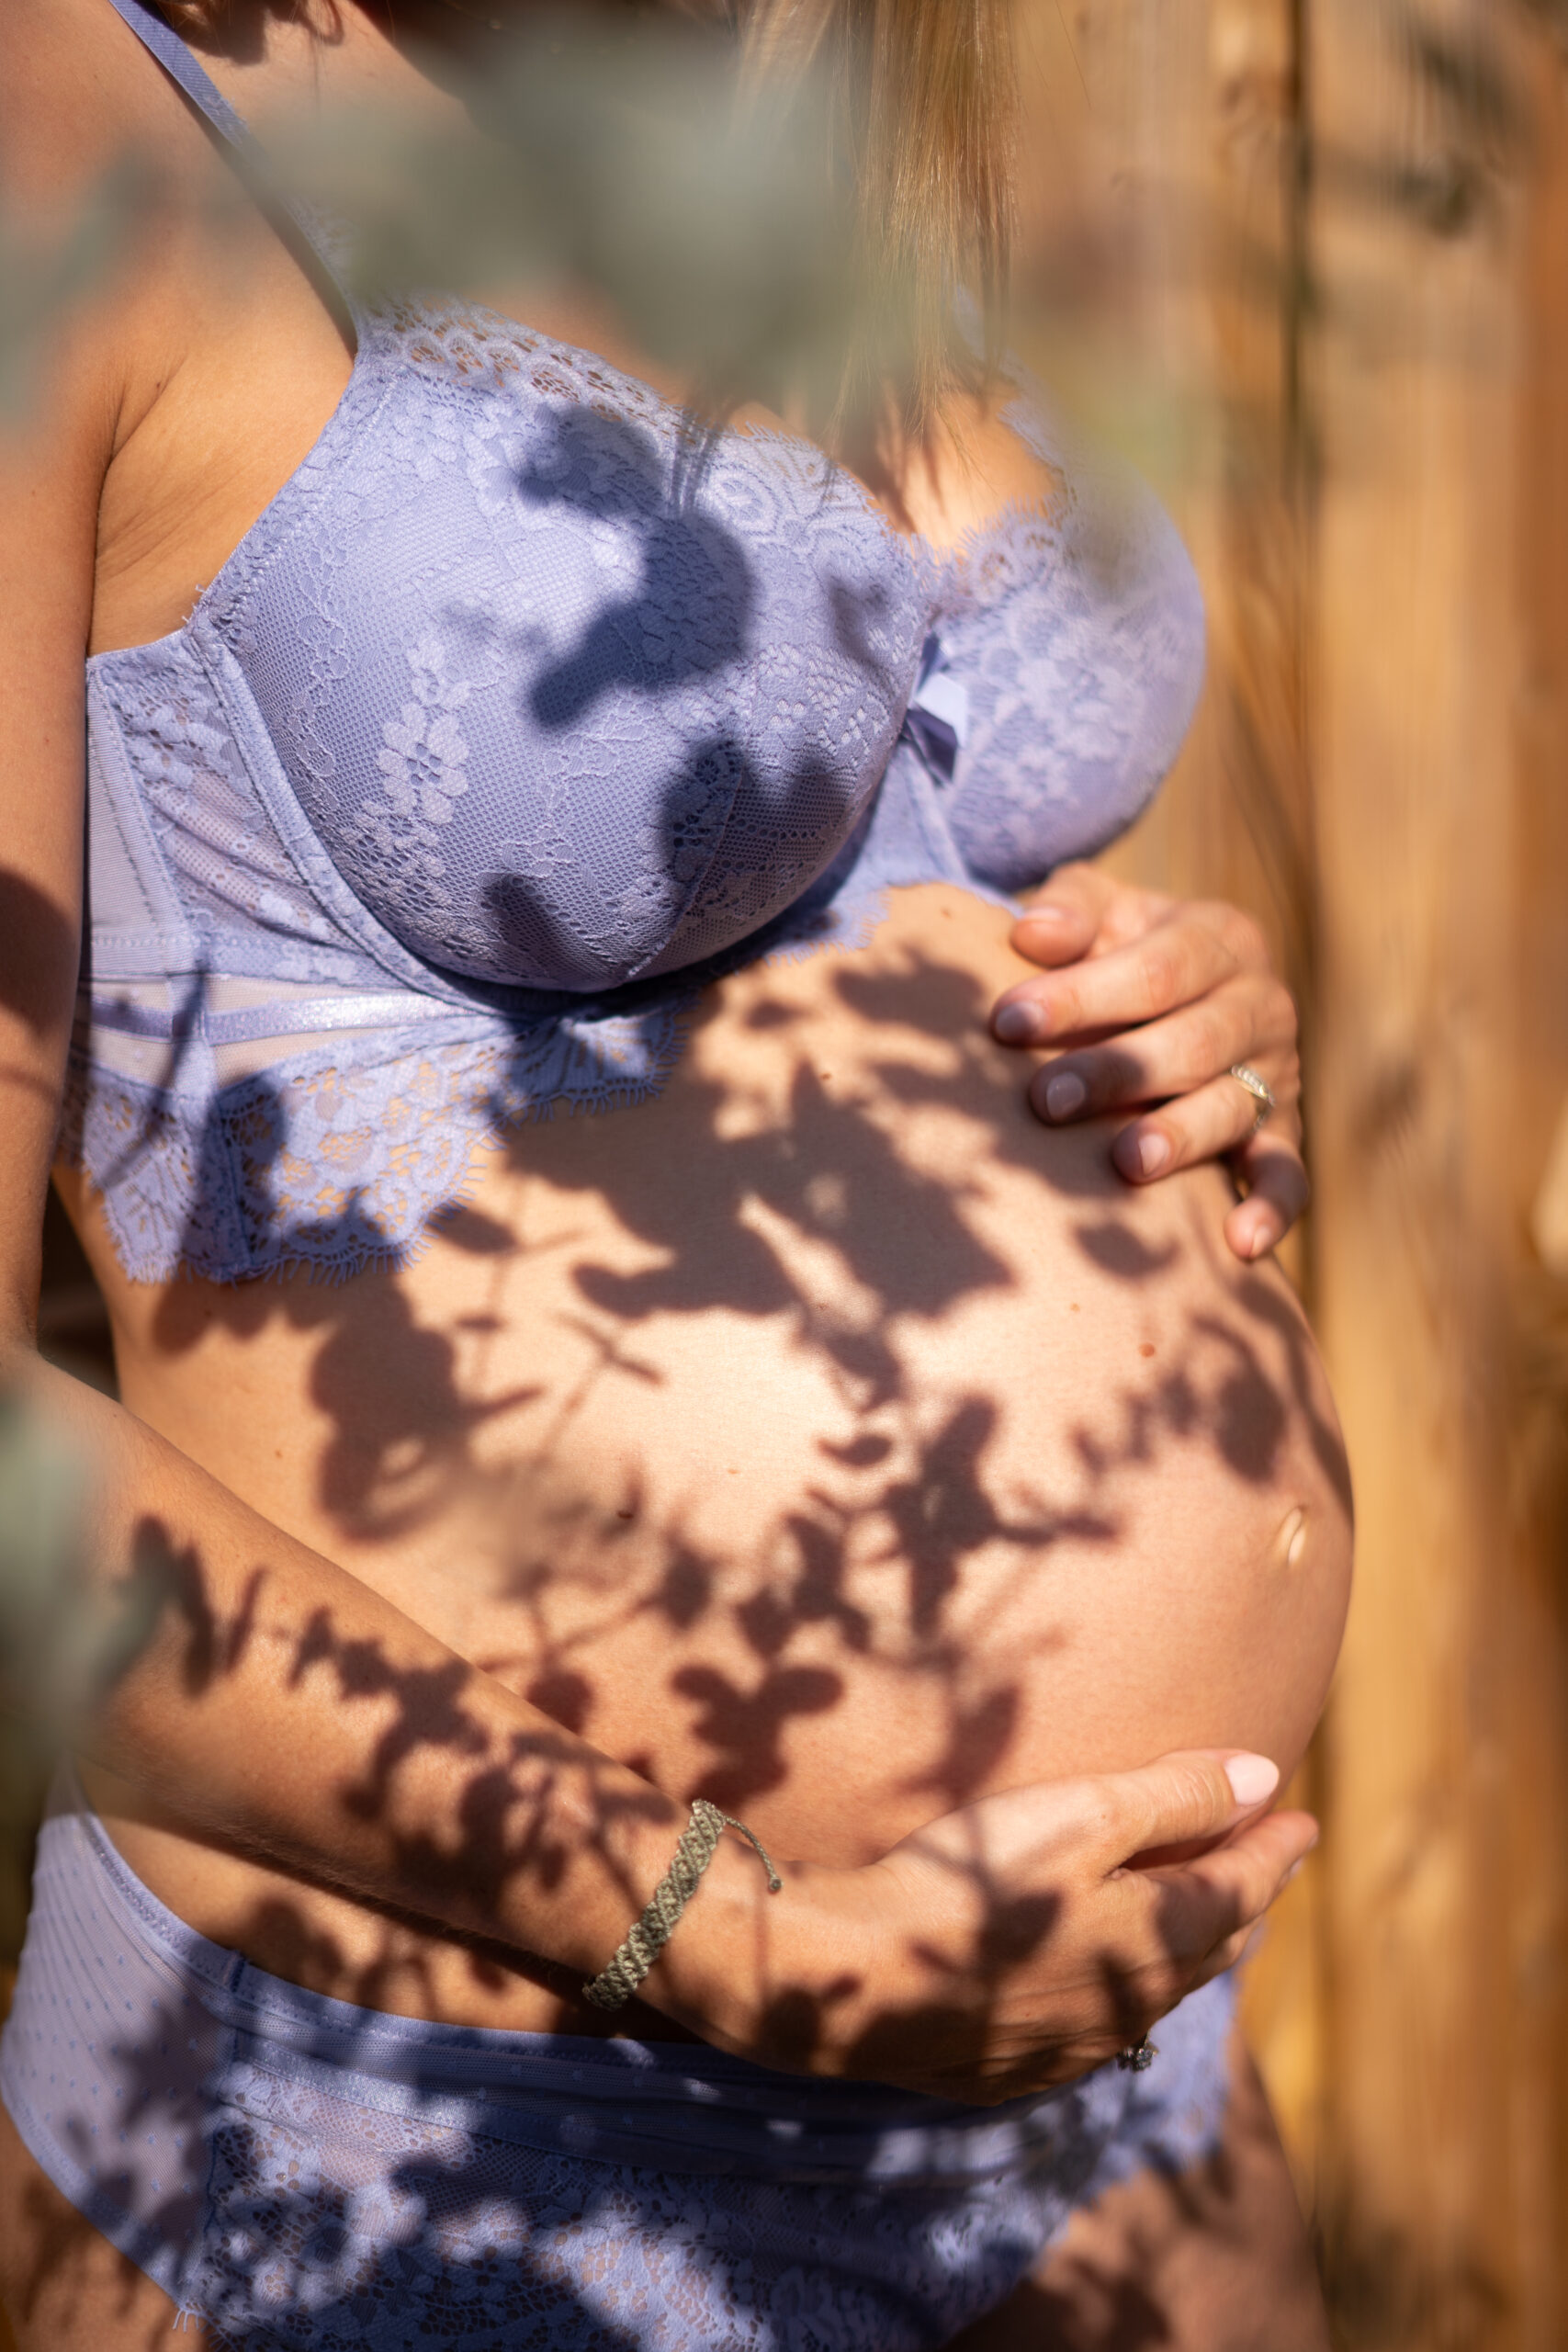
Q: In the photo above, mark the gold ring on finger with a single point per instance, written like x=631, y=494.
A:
x=1258, y=1088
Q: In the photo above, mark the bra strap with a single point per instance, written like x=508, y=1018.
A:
x=252, y=161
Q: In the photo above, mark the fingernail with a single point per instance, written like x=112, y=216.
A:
x=1252, y=1778
x=1154, y=1152
x=1020, y=1024
x=1066, y=1094
x=1260, y=1242
x=1055, y=916
x=1294, y=1871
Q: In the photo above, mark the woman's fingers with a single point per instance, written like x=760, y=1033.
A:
x=1047, y=1927
x=1278, y=1191
x=1179, y=1800
x=1208, y=1862
x=1212, y=1121
x=1095, y=1824
x=1203, y=1126
x=1169, y=997
x=1175, y=961
x=1183, y=1062
x=1205, y=1908
x=1065, y=920
x=1249, y=1018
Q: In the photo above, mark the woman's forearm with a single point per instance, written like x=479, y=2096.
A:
x=269, y=1697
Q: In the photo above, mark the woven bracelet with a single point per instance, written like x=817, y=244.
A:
x=645, y=1941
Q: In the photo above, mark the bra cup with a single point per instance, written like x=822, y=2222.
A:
x=565, y=704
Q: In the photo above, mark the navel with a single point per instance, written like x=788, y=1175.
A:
x=1291, y=1543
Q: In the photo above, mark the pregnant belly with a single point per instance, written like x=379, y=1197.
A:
x=826, y=1437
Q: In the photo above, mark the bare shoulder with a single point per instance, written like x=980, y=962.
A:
x=75, y=92
x=72, y=106
x=86, y=119
x=970, y=465
x=72, y=99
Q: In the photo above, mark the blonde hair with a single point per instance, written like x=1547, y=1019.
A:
x=923, y=101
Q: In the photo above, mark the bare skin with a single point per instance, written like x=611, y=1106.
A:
x=1210, y=2259
x=827, y=1436
x=941, y=1465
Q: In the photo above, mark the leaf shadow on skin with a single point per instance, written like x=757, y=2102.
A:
x=41, y=949
x=386, y=1384
x=753, y=1659
x=729, y=1229
x=496, y=1843
x=911, y=1489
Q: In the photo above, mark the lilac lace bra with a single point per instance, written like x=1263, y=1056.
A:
x=510, y=725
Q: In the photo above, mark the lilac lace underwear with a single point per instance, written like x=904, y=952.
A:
x=304, y=2174
x=509, y=724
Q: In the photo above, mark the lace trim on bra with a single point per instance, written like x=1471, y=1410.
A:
x=328, y=1163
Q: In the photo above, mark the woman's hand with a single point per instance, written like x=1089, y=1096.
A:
x=1045, y=1929
x=1015, y=1944
x=1152, y=1000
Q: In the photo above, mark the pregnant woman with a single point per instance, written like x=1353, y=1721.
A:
x=508, y=1506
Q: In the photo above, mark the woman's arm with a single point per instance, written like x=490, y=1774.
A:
x=276, y=1702
x=268, y=1696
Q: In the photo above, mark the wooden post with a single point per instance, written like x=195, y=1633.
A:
x=1440, y=892
x=1381, y=771
x=1539, y=1461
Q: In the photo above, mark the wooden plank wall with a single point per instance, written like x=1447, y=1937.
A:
x=1367, y=297
x=1444, y=1046
x=1373, y=476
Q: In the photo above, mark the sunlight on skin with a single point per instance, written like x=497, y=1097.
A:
x=825, y=1436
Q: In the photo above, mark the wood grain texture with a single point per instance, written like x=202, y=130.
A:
x=1437, y=904
x=1368, y=303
